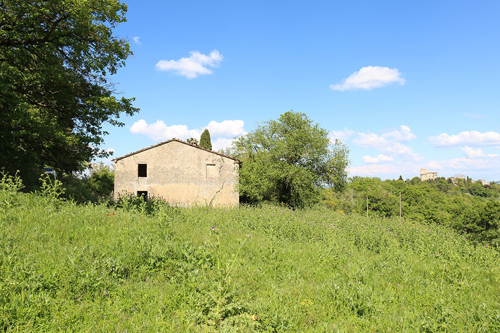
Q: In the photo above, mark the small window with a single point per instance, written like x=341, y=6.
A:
x=142, y=194
x=143, y=170
x=211, y=171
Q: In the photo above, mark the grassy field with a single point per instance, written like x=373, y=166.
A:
x=270, y=269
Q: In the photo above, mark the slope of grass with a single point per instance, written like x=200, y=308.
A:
x=94, y=268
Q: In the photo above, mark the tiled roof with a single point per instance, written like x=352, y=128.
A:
x=176, y=140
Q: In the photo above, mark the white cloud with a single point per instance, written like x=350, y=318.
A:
x=371, y=140
x=389, y=147
x=370, y=77
x=472, y=167
x=475, y=153
x=404, y=134
x=472, y=138
x=226, y=128
x=160, y=131
x=220, y=143
x=222, y=134
x=379, y=159
x=401, y=150
x=341, y=135
x=380, y=169
x=434, y=166
x=110, y=150
x=468, y=165
x=193, y=66
x=136, y=40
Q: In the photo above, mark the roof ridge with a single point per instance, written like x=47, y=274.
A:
x=168, y=141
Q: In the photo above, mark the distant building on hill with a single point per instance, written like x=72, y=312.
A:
x=424, y=175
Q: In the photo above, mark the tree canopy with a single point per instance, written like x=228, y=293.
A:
x=56, y=57
x=288, y=160
x=468, y=207
x=205, y=140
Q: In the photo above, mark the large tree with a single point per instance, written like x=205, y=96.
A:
x=56, y=58
x=288, y=160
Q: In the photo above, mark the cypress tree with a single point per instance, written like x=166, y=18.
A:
x=205, y=141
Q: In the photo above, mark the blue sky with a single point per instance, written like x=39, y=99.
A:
x=406, y=85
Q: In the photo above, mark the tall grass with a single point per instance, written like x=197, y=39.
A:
x=98, y=268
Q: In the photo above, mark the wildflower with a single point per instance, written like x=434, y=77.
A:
x=213, y=228
x=113, y=213
x=108, y=215
x=486, y=245
x=249, y=235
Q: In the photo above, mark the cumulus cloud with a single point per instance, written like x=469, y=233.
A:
x=472, y=138
x=404, y=134
x=399, y=149
x=371, y=140
x=226, y=128
x=384, y=169
x=196, y=64
x=221, y=143
x=159, y=131
x=222, y=134
x=473, y=167
x=341, y=135
x=434, y=166
x=370, y=77
x=379, y=159
x=475, y=153
x=389, y=146
x=136, y=40
x=468, y=165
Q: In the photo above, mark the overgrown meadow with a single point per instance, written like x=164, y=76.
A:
x=151, y=267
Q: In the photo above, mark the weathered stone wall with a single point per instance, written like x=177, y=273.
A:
x=181, y=174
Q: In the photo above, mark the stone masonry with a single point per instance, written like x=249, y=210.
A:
x=427, y=175
x=181, y=173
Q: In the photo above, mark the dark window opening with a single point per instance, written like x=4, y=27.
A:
x=142, y=194
x=143, y=170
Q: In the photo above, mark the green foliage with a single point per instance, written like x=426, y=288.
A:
x=51, y=187
x=102, y=180
x=205, y=141
x=9, y=183
x=289, y=160
x=269, y=269
x=468, y=207
x=192, y=140
x=55, y=94
x=94, y=185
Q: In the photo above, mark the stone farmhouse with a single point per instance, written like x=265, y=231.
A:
x=181, y=173
x=425, y=175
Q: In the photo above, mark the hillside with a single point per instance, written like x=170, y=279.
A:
x=470, y=208
x=270, y=269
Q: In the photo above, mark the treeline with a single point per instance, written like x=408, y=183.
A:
x=467, y=206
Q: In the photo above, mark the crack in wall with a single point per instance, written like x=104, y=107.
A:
x=217, y=192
